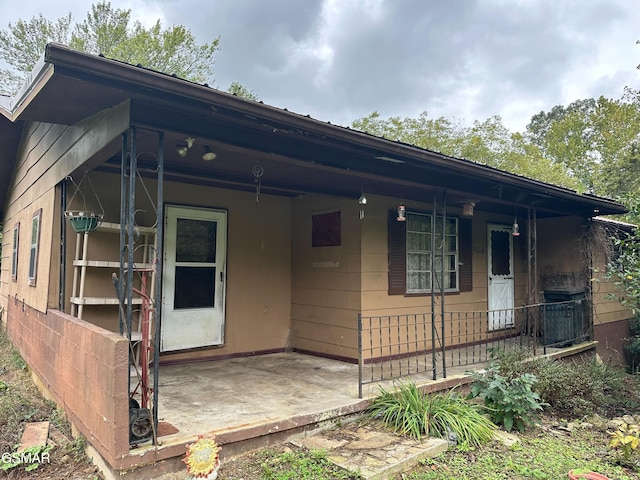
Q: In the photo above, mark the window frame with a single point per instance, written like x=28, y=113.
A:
x=15, y=250
x=397, y=259
x=428, y=252
x=34, y=246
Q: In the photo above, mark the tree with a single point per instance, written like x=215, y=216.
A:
x=109, y=32
x=22, y=45
x=240, y=90
x=488, y=142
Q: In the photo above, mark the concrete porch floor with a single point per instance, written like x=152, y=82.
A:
x=252, y=402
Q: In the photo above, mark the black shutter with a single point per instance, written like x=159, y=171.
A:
x=465, y=255
x=397, y=255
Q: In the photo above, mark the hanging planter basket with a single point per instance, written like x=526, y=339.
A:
x=83, y=222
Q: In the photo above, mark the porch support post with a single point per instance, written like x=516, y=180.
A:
x=442, y=253
x=532, y=270
x=433, y=277
x=158, y=293
x=360, y=355
x=123, y=212
x=63, y=250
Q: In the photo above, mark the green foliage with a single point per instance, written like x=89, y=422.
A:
x=409, y=411
x=488, y=142
x=633, y=348
x=575, y=388
x=623, y=269
x=300, y=464
x=626, y=439
x=30, y=458
x=110, y=32
x=240, y=90
x=510, y=402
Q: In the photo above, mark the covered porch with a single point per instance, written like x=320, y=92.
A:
x=256, y=401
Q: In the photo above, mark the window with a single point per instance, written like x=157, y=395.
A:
x=410, y=251
x=33, y=249
x=14, y=252
x=419, y=253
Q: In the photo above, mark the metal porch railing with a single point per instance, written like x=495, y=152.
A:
x=394, y=346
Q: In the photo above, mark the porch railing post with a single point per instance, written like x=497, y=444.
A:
x=360, y=359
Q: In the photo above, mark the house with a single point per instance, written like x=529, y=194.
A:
x=138, y=206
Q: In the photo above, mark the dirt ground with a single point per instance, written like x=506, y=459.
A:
x=21, y=403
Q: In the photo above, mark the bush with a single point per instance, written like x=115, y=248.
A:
x=575, y=388
x=510, y=402
x=409, y=411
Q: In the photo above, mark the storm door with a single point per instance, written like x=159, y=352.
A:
x=193, y=282
x=501, y=278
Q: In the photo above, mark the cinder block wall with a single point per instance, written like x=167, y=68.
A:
x=83, y=368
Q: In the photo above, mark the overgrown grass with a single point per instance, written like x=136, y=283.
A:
x=540, y=455
x=578, y=387
x=409, y=411
x=300, y=465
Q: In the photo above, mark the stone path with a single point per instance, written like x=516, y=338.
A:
x=368, y=449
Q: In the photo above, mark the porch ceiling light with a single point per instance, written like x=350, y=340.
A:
x=515, y=230
x=183, y=148
x=208, y=154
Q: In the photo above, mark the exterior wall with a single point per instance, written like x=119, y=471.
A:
x=610, y=317
x=46, y=155
x=83, y=368
x=326, y=281
x=258, y=280
x=562, y=253
x=377, y=302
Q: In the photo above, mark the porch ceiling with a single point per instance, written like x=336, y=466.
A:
x=299, y=154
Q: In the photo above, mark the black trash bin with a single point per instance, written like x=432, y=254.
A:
x=564, y=316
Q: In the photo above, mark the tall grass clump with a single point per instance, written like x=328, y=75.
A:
x=409, y=411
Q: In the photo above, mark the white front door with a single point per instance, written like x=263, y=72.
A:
x=501, y=285
x=193, y=280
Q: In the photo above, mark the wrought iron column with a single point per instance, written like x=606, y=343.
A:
x=443, y=249
x=433, y=278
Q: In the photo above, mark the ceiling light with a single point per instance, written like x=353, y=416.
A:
x=182, y=149
x=208, y=154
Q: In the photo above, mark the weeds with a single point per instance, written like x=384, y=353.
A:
x=301, y=465
x=510, y=402
x=409, y=411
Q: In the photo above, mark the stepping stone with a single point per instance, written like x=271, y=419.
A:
x=35, y=434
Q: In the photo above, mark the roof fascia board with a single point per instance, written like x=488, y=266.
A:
x=37, y=79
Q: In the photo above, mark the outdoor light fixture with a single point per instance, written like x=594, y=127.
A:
x=402, y=214
x=183, y=148
x=362, y=201
x=208, y=154
x=467, y=208
x=515, y=229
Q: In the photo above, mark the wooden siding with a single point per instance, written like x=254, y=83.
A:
x=326, y=281
x=258, y=281
x=46, y=155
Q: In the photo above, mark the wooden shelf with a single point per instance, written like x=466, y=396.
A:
x=101, y=301
x=107, y=264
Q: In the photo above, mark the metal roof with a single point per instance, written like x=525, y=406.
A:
x=299, y=154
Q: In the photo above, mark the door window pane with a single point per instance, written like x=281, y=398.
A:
x=196, y=241
x=500, y=253
x=194, y=287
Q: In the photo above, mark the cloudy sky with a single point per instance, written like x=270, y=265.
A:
x=339, y=60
